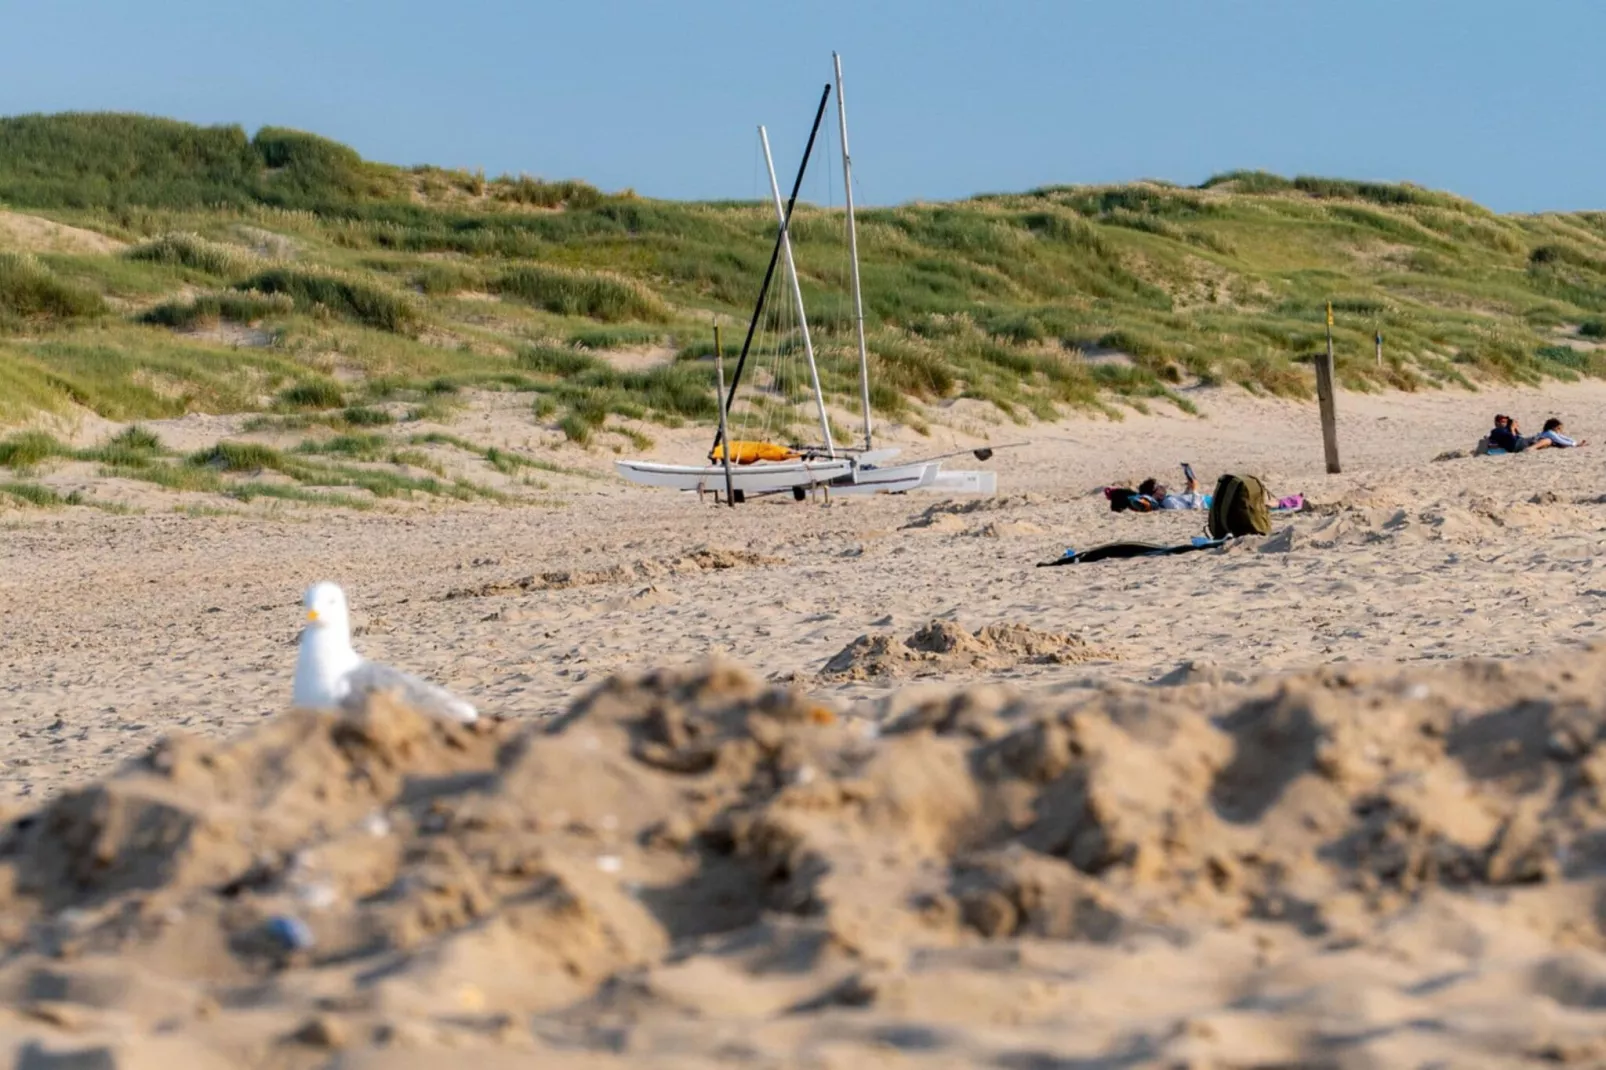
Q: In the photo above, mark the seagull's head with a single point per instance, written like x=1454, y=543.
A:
x=326, y=608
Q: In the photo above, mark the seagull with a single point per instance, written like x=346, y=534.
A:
x=330, y=674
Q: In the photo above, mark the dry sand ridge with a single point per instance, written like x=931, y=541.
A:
x=1351, y=867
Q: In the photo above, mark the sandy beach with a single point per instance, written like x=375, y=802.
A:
x=1271, y=805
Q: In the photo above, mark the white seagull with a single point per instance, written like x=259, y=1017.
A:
x=330, y=674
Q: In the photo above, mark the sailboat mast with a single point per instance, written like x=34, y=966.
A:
x=853, y=250
x=775, y=256
x=797, y=293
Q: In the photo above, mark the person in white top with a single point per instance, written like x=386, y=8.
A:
x=1553, y=436
x=1165, y=499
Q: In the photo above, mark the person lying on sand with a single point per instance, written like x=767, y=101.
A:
x=1553, y=435
x=1146, y=499
x=1153, y=495
x=1162, y=497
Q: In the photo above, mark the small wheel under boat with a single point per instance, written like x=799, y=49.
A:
x=799, y=493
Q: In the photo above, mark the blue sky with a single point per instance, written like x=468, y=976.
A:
x=1501, y=102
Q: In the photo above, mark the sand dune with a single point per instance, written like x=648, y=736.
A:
x=942, y=647
x=1350, y=867
x=35, y=234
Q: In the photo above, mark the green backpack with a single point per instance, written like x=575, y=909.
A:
x=1239, y=508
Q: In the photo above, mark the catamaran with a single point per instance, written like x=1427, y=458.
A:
x=758, y=466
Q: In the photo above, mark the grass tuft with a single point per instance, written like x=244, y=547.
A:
x=193, y=251
x=312, y=394
x=340, y=296
x=577, y=427
x=363, y=416
x=138, y=439
x=33, y=494
x=240, y=457
x=30, y=294
x=243, y=308
x=27, y=449
x=574, y=293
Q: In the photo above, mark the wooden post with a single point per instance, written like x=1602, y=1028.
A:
x=724, y=438
x=1324, y=398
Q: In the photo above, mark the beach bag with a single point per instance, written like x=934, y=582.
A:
x=1238, y=508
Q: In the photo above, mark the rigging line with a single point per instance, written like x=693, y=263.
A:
x=755, y=421
x=753, y=189
x=773, y=329
x=783, y=372
x=766, y=348
x=775, y=255
x=776, y=415
x=982, y=453
x=795, y=281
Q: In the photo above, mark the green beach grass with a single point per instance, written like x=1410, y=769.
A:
x=421, y=283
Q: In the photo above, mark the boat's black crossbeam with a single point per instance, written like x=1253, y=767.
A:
x=775, y=254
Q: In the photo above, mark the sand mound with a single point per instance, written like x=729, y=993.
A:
x=944, y=516
x=1008, y=529
x=944, y=647
x=1466, y=520
x=1344, y=868
x=702, y=559
x=35, y=234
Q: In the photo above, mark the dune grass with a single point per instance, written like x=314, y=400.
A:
x=312, y=394
x=134, y=446
x=573, y=293
x=28, y=448
x=102, y=160
x=244, y=308
x=354, y=299
x=32, y=295
x=194, y=251
x=33, y=494
x=378, y=284
x=135, y=374
x=505, y=461
x=254, y=458
x=235, y=468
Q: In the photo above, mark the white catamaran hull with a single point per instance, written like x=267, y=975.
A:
x=961, y=482
x=894, y=480
x=748, y=478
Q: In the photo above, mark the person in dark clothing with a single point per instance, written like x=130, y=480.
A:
x=1505, y=435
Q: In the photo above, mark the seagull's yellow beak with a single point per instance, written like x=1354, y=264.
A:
x=312, y=614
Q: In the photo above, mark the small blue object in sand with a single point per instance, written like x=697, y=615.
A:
x=291, y=932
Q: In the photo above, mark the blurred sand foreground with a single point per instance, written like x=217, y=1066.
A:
x=1179, y=812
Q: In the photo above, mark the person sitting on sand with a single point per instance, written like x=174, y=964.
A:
x=1162, y=497
x=1505, y=436
x=1553, y=436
